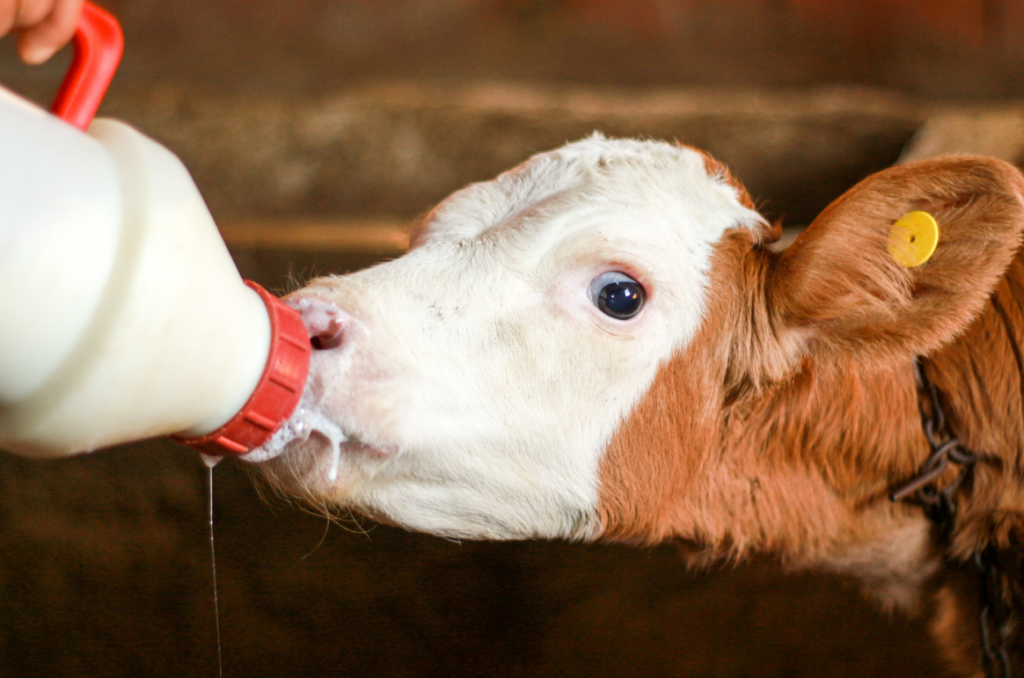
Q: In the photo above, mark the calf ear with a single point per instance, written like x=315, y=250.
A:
x=838, y=286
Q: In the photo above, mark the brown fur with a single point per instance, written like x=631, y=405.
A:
x=787, y=419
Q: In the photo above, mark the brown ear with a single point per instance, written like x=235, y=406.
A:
x=838, y=286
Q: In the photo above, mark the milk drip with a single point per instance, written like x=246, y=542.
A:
x=122, y=315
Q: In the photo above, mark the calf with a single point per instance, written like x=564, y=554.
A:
x=599, y=345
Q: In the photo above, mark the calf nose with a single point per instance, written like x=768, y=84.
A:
x=325, y=322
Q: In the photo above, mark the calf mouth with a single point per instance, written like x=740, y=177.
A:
x=304, y=457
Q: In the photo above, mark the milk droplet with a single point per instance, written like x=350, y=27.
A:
x=210, y=460
x=306, y=419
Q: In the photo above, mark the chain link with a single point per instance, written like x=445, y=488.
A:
x=994, y=617
x=940, y=505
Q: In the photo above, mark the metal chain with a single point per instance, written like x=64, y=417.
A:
x=994, y=617
x=941, y=507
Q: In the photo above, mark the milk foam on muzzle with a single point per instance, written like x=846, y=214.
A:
x=307, y=419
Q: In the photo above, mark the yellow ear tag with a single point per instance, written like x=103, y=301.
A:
x=913, y=239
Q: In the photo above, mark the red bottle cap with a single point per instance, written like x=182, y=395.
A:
x=279, y=389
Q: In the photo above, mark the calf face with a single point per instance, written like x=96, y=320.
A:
x=478, y=380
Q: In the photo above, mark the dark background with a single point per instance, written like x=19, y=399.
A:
x=935, y=48
x=327, y=119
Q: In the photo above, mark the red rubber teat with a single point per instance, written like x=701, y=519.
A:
x=98, y=45
x=279, y=389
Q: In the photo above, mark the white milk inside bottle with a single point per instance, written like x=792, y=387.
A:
x=122, y=315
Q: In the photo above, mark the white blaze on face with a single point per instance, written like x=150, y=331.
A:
x=476, y=382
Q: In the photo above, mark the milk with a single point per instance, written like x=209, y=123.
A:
x=122, y=315
x=304, y=421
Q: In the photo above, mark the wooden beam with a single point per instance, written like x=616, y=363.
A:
x=370, y=236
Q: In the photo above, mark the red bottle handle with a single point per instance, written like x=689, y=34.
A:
x=98, y=45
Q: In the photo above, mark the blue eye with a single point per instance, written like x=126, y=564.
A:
x=617, y=295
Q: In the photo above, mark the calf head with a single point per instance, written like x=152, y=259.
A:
x=480, y=377
x=598, y=343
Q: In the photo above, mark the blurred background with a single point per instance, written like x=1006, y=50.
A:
x=317, y=130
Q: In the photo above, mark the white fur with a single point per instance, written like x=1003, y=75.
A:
x=477, y=383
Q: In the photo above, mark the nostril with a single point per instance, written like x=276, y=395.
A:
x=328, y=337
x=325, y=323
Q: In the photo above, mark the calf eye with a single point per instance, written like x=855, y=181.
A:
x=617, y=295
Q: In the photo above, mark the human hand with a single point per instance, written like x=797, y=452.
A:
x=44, y=26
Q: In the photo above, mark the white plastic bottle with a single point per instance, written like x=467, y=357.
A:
x=122, y=315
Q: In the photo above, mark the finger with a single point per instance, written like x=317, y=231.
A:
x=38, y=43
x=8, y=15
x=32, y=12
